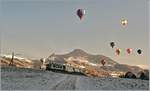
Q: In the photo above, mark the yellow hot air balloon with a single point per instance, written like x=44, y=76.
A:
x=124, y=22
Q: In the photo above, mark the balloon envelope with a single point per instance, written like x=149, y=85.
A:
x=124, y=22
x=118, y=51
x=129, y=50
x=139, y=51
x=80, y=13
x=112, y=44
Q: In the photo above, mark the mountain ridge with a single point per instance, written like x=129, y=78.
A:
x=80, y=53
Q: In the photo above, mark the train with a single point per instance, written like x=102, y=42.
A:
x=54, y=66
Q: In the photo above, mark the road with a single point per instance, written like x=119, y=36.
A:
x=27, y=79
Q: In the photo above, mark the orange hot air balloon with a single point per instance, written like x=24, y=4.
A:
x=103, y=62
x=80, y=13
x=129, y=50
x=118, y=51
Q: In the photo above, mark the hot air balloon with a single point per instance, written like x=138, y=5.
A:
x=80, y=13
x=103, y=62
x=118, y=51
x=124, y=22
x=129, y=50
x=139, y=51
x=112, y=44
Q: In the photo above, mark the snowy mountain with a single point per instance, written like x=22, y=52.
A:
x=78, y=53
x=79, y=56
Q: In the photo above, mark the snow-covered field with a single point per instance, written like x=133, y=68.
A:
x=28, y=79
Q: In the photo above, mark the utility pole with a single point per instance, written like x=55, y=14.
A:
x=12, y=60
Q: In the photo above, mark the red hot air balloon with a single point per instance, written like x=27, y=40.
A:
x=118, y=51
x=103, y=62
x=129, y=50
x=80, y=13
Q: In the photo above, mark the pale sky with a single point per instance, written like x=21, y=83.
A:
x=37, y=28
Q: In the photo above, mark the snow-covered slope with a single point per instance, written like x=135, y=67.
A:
x=16, y=57
x=28, y=79
x=18, y=61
